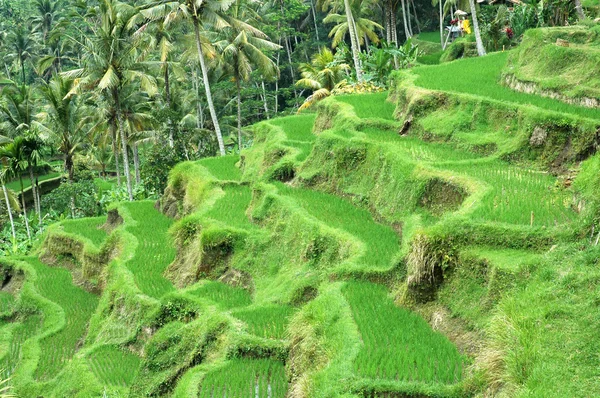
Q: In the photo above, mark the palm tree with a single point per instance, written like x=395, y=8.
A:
x=114, y=59
x=21, y=44
x=202, y=14
x=322, y=75
x=16, y=109
x=60, y=119
x=364, y=27
x=336, y=5
x=478, y=41
x=32, y=147
x=9, y=199
x=242, y=51
x=16, y=161
x=47, y=16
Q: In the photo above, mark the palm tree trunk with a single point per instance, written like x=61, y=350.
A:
x=211, y=105
x=408, y=17
x=416, y=17
x=136, y=164
x=24, y=208
x=123, y=146
x=353, y=42
x=36, y=200
x=579, y=10
x=314, y=14
x=168, y=100
x=441, y=10
x=10, y=216
x=478, y=41
x=113, y=131
x=264, y=98
x=406, y=31
x=239, y=112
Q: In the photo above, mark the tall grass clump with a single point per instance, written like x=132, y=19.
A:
x=268, y=321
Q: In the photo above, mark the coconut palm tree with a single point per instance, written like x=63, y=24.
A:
x=480, y=48
x=16, y=109
x=336, y=5
x=364, y=27
x=9, y=199
x=113, y=59
x=21, y=43
x=322, y=75
x=203, y=14
x=242, y=50
x=16, y=162
x=32, y=147
x=60, y=119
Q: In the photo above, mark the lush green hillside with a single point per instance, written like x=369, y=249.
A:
x=438, y=240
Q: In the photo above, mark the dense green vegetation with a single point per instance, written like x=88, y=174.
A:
x=232, y=208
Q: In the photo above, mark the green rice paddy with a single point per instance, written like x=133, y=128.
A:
x=381, y=242
x=370, y=106
x=481, y=76
x=154, y=252
x=268, y=321
x=56, y=284
x=16, y=185
x=88, y=228
x=225, y=296
x=113, y=366
x=223, y=167
x=398, y=344
x=262, y=378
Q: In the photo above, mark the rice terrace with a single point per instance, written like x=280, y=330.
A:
x=299, y=198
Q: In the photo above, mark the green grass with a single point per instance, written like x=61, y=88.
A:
x=262, y=378
x=433, y=37
x=113, y=366
x=269, y=322
x=398, y=344
x=223, y=167
x=430, y=59
x=56, y=284
x=413, y=148
x=298, y=127
x=516, y=192
x=7, y=302
x=382, y=243
x=481, y=76
x=225, y=296
x=16, y=185
x=105, y=185
x=20, y=332
x=154, y=252
x=231, y=208
x=87, y=228
x=370, y=106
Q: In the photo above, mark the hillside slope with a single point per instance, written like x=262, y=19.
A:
x=432, y=241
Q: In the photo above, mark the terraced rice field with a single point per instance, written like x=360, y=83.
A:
x=370, y=106
x=113, y=366
x=19, y=332
x=88, y=228
x=481, y=76
x=154, y=252
x=398, y=344
x=231, y=208
x=381, y=242
x=225, y=296
x=268, y=321
x=261, y=378
x=223, y=167
x=298, y=130
x=516, y=193
x=56, y=284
